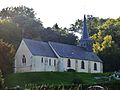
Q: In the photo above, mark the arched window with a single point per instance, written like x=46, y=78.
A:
x=42, y=60
x=69, y=63
x=24, y=59
x=95, y=66
x=82, y=65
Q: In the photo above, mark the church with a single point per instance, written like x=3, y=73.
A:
x=39, y=56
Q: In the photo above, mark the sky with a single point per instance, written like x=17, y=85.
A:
x=65, y=12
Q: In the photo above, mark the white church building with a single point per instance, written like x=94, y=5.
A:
x=38, y=56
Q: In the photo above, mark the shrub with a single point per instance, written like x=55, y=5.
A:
x=71, y=70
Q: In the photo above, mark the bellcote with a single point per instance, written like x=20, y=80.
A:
x=85, y=41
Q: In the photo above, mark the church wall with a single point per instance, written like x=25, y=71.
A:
x=101, y=67
x=65, y=61
x=88, y=65
x=98, y=67
x=79, y=69
x=19, y=65
x=38, y=65
x=75, y=64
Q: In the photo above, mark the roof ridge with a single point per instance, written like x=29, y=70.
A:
x=53, y=50
x=48, y=41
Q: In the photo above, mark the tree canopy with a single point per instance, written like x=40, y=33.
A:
x=7, y=53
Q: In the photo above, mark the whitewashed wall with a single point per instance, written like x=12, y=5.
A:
x=23, y=50
x=89, y=65
x=65, y=61
x=38, y=65
x=75, y=64
x=98, y=67
x=85, y=65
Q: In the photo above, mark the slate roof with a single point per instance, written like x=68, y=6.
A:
x=76, y=52
x=40, y=48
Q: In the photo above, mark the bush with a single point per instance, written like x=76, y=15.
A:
x=71, y=70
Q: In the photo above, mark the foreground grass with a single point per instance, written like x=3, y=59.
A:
x=53, y=78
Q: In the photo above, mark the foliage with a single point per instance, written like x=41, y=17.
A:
x=101, y=41
x=77, y=26
x=71, y=70
x=113, y=85
x=1, y=81
x=25, y=20
x=11, y=12
x=9, y=32
x=22, y=23
x=7, y=52
x=106, y=36
x=110, y=57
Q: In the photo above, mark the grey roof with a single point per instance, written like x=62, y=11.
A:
x=41, y=48
x=76, y=52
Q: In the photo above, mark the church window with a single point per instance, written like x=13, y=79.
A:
x=42, y=60
x=50, y=62
x=24, y=59
x=95, y=66
x=82, y=65
x=69, y=63
x=54, y=62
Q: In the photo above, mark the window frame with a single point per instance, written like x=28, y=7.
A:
x=95, y=66
x=23, y=59
x=42, y=60
x=82, y=65
x=68, y=63
x=54, y=62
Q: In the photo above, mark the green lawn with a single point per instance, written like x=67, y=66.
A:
x=54, y=78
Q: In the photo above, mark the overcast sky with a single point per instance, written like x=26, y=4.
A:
x=65, y=12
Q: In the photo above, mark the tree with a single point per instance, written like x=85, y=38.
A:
x=59, y=35
x=101, y=41
x=77, y=26
x=25, y=19
x=10, y=32
x=55, y=27
x=11, y=12
x=112, y=27
x=111, y=58
x=106, y=36
x=7, y=53
x=1, y=81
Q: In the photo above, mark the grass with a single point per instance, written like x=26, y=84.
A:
x=52, y=78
